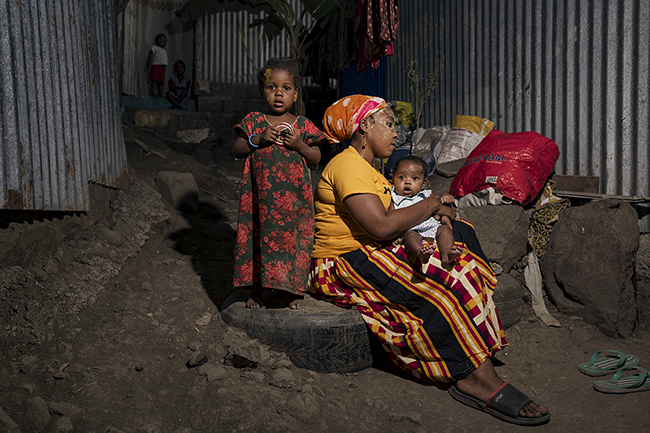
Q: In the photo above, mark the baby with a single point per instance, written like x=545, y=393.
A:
x=421, y=240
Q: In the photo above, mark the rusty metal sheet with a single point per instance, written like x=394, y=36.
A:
x=60, y=119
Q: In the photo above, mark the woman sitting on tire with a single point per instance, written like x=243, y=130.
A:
x=436, y=323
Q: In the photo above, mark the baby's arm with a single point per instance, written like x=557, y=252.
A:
x=148, y=66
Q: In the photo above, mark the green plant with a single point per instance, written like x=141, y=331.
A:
x=278, y=16
x=415, y=76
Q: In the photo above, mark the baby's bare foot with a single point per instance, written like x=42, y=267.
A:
x=448, y=256
x=426, y=252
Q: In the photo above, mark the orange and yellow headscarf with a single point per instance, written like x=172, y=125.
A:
x=342, y=118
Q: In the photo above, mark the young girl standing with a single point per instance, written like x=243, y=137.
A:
x=276, y=215
x=157, y=63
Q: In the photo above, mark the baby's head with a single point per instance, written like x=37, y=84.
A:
x=161, y=40
x=409, y=175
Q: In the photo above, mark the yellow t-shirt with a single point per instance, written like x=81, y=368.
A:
x=346, y=174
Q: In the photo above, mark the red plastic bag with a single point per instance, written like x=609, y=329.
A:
x=517, y=164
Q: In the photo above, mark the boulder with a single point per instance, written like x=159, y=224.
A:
x=588, y=267
x=502, y=231
x=643, y=302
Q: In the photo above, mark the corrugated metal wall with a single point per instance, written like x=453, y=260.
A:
x=575, y=71
x=60, y=123
x=220, y=54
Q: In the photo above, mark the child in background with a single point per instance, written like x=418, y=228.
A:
x=276, y=210
x=179, y=87
x=157, y=63
x=421, y=240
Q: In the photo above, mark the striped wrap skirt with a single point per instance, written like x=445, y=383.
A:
x=437, y=323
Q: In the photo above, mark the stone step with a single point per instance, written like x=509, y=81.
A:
x=219, y=104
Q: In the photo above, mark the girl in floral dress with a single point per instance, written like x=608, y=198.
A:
x=276, y=208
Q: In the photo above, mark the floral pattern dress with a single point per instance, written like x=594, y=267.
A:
x=275, y=231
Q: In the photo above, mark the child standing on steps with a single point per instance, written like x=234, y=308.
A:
x=276, y=208
x=421, y=240
x=157, y=64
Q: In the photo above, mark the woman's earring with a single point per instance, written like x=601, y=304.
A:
x=364, y=142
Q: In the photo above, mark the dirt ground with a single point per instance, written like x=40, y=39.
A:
x=97, y=336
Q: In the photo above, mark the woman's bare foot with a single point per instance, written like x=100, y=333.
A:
x=295, y=302
x=448, y=256
x=484, y=381
x=255, y=301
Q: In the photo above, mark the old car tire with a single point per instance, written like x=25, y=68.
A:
x=508, y=298
x=323, y=338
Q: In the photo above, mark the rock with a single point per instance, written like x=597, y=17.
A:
x=7, y=425
x=179, y=189
x=283, y=375
x=643, y=301
x=212, y=372
x=197, y=358
x=111, y=429
x=151, y=119
x=256, y=376
x=194, y=346
x=240, y=346
x=51, y=267
x=438, y=183
x=502, y=231
x=112, y=237
x=203, y=156
x=59, y=425
x=303, y=406
x=193, y=135
x=238, y=361
x=37, y=413
x=400, y=418
x=203, y=320
x=449, y=168
x=202, y=86
x=588, y=267
x=63, y=409
x=643, y=256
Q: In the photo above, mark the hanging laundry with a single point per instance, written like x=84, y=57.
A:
x=376, y=24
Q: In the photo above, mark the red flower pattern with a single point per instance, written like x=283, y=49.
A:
x=275, y=230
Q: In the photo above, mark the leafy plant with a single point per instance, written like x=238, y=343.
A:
x=415, y=76
x=278, y=16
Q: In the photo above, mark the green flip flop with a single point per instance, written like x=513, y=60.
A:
x=620, y=384
x=611, y=361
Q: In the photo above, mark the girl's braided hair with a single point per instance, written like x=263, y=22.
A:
x=284, y=63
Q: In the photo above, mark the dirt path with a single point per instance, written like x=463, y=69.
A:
x=128, y=355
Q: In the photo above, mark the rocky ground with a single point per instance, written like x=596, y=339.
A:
x=117, y=329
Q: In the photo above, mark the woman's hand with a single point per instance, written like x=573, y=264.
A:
x=369, y=213
x=445, y=215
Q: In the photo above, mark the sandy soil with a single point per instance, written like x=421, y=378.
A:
x=102, y=331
